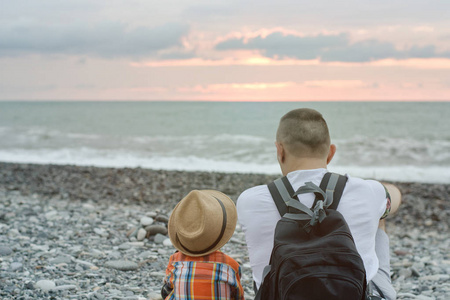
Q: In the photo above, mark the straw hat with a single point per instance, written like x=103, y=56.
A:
x=202, y=222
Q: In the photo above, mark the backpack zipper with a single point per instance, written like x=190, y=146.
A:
x=315, y=251
x=344, y=233
x=312, y=252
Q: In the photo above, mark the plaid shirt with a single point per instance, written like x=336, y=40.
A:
x=214, y=276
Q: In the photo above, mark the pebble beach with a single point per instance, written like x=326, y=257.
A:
x=71, y=232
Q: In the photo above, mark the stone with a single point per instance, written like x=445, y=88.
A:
x=132, y=232
x=406, y=272
x=155, y=229
x=101, y=232
x=167, y=243
x=162, y=251
x=40, y=247
x=401, y=252
x=154, y=296
x=51, y=215
x=136, y=244
x=435, y=277
x=60, y=259
x=159, y=238
x=29, y=285
x=415, y=272
x=45, y=285
x=5, y=251
x=147, y=255
x=122, y=265
x=146, y=221
x=141, y=234
x=423, y=297
x=84, y=263
x=16, y=266
x=124, y=246
x=64, y=287
x=162, y=219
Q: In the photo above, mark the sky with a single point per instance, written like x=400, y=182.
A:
x=231, y=50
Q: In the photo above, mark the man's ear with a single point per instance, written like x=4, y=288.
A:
x=331, y=153
x=280, y=152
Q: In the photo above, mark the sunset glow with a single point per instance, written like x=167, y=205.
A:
x=270, y=54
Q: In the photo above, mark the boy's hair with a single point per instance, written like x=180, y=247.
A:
x=304, y=133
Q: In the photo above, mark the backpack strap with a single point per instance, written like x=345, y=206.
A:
x=333, y=185
x=285, y=197
x=282, y=192
x=276, y=196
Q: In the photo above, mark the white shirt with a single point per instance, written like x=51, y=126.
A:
x=362, y=204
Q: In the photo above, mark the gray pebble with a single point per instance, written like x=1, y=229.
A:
x=405, y=272
x=423, y=297
x=154, y=296
x=147, y=254
x=29, y=285
x=60, y=259
x=159, y=238
x=122, y=265
x=16, y=266
x=124, y=246
x=146, y=221
x=5, y=251
x=167, y=243
x=436, y=277
x=115, y=254
x=45, y=285
x=163, y=219
x=64, y=287
x=155, y=229
x=141, y=234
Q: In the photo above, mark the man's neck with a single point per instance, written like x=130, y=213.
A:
x=306, y=163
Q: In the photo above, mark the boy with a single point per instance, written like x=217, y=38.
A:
x=200, y=224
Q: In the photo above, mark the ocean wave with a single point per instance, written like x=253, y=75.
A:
x=119, y=159
x=397, y=151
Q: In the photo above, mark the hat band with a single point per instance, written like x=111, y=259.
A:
x=224, y=225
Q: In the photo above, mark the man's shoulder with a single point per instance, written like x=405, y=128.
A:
x=367, y=191
x=254, y=191
x=252, y=195
x=365, y=185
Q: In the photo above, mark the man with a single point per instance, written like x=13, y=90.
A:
x=304, y=150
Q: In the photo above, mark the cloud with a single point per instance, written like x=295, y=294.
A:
x=329, y=48
x=335, y=84
x=373, y=50
x=177, y=55
x=286, y=46
x=361, y=52
x=231, y=87
x=106, y=39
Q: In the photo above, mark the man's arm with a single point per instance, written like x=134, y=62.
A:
x=396, y=197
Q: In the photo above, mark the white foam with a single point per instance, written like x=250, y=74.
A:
x=121, y=158
x=431, y=174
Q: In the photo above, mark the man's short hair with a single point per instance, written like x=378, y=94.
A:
x=304, y=132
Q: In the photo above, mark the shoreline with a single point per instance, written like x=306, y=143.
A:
x=161, y=188
x=423, y=204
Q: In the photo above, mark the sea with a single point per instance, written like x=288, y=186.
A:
x=393, y=141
